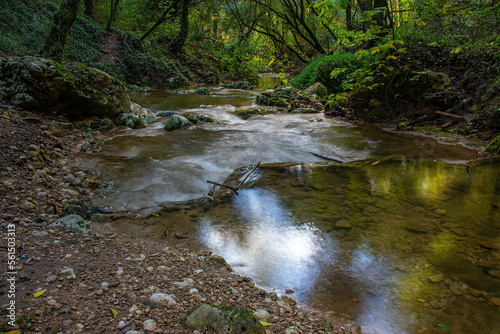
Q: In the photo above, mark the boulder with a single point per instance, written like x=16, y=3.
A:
x=224, y=319
x=133, y=121
x=202, y=91
x=176, y=122
x=318, y=89
x=75, y=90
x=166, y=113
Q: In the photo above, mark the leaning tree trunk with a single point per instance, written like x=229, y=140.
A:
x=63, y=20
x=112, y=15
x=178, y=43
x=89, y=8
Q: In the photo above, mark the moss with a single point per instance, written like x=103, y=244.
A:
x=493, y=147
x=337, y=100
x=278, y=102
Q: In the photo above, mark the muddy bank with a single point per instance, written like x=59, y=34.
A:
x=85, y=277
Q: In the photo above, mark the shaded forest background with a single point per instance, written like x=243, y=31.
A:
x=379, y=59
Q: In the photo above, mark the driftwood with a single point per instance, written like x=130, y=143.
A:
x=327, y=158
x=251, y=172
x=447, y=114
x=233, y=189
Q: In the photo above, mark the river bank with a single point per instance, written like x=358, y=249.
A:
x=111, y=270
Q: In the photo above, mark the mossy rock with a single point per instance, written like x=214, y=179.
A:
x=202, y=91
x=75, y=90
x=224, y=319
x=247, y=113
x=176, y=122
x=318, y=88
x=493, y=147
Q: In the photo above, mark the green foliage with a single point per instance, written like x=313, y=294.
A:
x=24, y=25
x=84, y=41
x=140, y=67
x=342, y=63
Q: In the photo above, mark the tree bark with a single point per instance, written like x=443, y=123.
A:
x=89, y=8
x=112, y=15
x=178, y=43
x=63, y=20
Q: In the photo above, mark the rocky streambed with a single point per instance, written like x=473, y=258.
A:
x=103, y=281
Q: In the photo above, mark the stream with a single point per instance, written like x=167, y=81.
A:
x=407, y=244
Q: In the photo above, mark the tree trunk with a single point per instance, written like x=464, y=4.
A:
x=178, y=43
x=63, y=20
x=112, y=15
x=89, y=8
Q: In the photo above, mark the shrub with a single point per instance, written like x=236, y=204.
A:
x=320, y=71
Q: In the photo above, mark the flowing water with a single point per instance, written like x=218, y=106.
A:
x=396, y=245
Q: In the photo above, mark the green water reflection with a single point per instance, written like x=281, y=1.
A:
x=416, y=243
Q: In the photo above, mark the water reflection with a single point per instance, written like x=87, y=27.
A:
x=270, y=244
x=399, y=246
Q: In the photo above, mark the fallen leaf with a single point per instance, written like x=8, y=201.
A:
x=155, y=214
x=39, y=293
x=265, y=324
x=13, y=332
x=115, y=313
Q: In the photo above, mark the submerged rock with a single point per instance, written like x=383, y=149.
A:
x=224, y=319
x=176, y=122
x=238, y=85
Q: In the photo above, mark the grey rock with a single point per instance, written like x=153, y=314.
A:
x=166, y=113
x=75, y=223
x=163, y=298
x=150, y=325
x=176, y=122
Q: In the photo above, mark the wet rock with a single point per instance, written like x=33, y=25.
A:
x=133, y=121
x=494, y=273
x=176, y=122
x=163, y=299
x=490, y=244
x=495, y=301
x=305, y=111
x=436, y=278
x=151, y=118
x=289, y=291
x=318, y=89
x=166, y=113
x=425, y=226
x=75, y=223
x=137, y=110
x=217, y=258
x=440, y=211
x=344, y=224
x=224, y=319
x=202, y=91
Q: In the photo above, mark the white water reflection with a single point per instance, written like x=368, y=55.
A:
x=269, y=244
x=377, y=314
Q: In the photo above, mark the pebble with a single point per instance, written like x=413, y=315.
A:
x=163, y=298
x=150, y=325
x=121, y=324
x=27, y=206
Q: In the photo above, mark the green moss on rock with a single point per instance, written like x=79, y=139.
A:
x=224, y=319
x=75, y=90
x=493, y=147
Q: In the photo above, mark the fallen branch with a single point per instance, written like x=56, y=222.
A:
x=246, y=178
x=327, y=158
x=233, y=189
